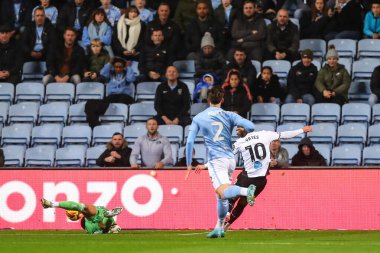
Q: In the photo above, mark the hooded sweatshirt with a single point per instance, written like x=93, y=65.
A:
x=314, y=159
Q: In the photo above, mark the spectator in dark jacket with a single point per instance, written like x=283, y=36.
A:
x=11, y=57
x=39, y=37
x=225, y=14
x=267, y=88
x=204, y=22
x=74, y=14
x=346, y=21
x=65, y=63
x=283, y=38
x=155, y=58
x=209, y=59
x=117, y=153
x=249, y=32
x=237, y=97
x=172, y=100
x=307, y=155
x=375, y=86
x=246, y=69
x=23, y=8
x=301, y=80
x=314, y=22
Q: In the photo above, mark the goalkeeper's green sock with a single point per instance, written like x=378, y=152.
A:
x=108, y=222
x=71, y=205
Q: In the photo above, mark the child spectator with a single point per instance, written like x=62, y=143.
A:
x=371, y=21
x=98, y=28
x=96, y=60
x=267, y=88
x=237, y=97
x=145, y=14
x=50, y=11
x=200, y=91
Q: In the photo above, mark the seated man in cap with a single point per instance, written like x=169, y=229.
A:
x=11, y=57
x=301, y=80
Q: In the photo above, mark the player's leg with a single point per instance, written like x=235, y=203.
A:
x=87, y=210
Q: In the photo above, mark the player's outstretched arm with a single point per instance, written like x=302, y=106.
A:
x=307, y=129
x=189, y=168
x=294, y=133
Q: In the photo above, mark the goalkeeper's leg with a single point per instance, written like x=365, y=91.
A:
x=87, y=210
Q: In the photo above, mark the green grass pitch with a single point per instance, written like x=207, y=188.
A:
x=178, y=241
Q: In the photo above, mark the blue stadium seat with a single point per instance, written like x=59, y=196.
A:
x=103, y=134
x=368, y=48
x=291, y=127
x=33, y=70
x=197, y=108
x=173, y=132
x=7, y=91
x=323, y=133
x=89, y=90
x=265, y=112
x=292, y=149
x=17, y=134
x=257, y=66
x=25, y=112
x=371, y=156
x=47, y=134
x=352, y=133
x=115, y=113
x=92, y=154
x=295, y=112
x=325, y=112
x=200, y=153
x=362, y=69
x=356, y=112
x=40, y=156
x=325, y=151
x=134, y=131
x=359, y=91
x=280, y=68
x=344, y=47
x=146, y=91
x=190, y=85
x=4, y=109
x=60, y=92
x=198, y=138
x=264, y=126
x=374, y=135
x=186, y=68
x=317, y=46
x=77, y=114
x=76, y=135
x=140, y=112
x=28, y=92
x=295, y=21
x=72, y=156
x=347, y=155
x=347, y=63
x=376, y=114
x=174, y=147
x=14, y=155
x=55, y=112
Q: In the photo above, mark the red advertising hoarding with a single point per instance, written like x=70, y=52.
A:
x=293, y=199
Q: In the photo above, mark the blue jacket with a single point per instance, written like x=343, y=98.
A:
x=104, y=38
x=118, y=84
x=200, y=86
x=371, y=24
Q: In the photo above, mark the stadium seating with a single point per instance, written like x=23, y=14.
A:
x=291, y=127
x=4, y=108
x=77, y=114
x=264, y=126
x=344, y=47
x=103, y=134
x=368, y=48
x=362, y=69
x=352, y=133
x=7, y=91
x=115, y=113
x=200, y=152
x=76, y=135
x=325, y=112
x=190, y=85
x=33, y=70
x=55, y=112
x=295, y=112
x=324, y=150
x=280, y=68
x=140, y=112
x=146, y=91
x=186, y=68
x=371, y=156
x=40, y=156
x=134, y=131
x=197, y=108
x=73, y=156
x=198, y=138
x=292, y=149
x=374, y=135
x=346, y=155
x=92, y=154
x=323, y=133
x=60, y=92
x=265, y=112
x=89, y=90
x=356, y=112
x=359, y=91
x=174, y=147
x=17, y=134
x=47, y=134
x=317, y=46
x=173, y=132
x=257, y=66
x=14, y=155
x=28, y=92
x=376, y=114
x=347, y=63
x=25, y=112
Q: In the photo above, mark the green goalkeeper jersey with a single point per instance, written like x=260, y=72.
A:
x=92, y=226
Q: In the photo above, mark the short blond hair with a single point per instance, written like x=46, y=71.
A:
x=96, y=42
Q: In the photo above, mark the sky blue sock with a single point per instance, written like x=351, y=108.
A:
x=231, y=192
x=222, y=207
